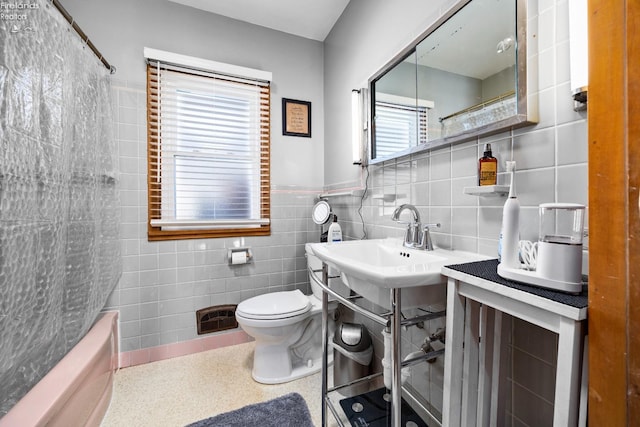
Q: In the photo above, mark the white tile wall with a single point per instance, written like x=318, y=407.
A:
x=164, y=283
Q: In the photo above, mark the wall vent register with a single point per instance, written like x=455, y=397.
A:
x=216, y=318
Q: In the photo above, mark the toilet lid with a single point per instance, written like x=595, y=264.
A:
x=274, y=305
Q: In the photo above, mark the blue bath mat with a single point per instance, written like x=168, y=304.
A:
x=289, y=410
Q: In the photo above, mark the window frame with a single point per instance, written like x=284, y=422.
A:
x=203, y=229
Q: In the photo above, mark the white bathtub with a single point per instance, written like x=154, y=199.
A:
x=77, y=391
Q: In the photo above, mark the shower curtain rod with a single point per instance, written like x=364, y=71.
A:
x=82, y=35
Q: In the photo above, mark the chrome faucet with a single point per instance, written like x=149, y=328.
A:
x=417, y=235
x=415, y=214
x=411, y=237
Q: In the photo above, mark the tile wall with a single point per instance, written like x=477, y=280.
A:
x=164, y=283
x=434, y=183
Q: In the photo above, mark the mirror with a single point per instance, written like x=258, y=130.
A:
x=464, y=77
x=321, y=212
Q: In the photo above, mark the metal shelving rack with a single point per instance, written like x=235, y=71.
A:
x=391, y=320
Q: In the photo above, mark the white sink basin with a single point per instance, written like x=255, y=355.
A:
x=372, y=267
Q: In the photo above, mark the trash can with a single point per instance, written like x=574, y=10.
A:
x=352, y=354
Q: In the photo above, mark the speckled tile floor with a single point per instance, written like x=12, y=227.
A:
x=176, y=392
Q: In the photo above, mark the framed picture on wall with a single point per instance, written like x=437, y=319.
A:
x=296, y=117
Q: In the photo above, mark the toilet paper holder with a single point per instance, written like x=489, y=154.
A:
x=239, y=256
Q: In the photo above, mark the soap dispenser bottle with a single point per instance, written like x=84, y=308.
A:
x=487, y=168
x=335, y=231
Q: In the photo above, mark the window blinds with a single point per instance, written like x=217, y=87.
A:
x=208, y=165
x=399, y=127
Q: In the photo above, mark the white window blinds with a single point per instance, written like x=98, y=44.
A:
x=208, y=152
x=399, y=127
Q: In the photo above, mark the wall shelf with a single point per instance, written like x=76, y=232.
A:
x=354, y=193
x=388, y=198
x=487, y=190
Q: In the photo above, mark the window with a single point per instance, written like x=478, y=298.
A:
x=400, y=123
x=208, y=149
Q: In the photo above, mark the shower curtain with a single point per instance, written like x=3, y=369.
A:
x=59, y=225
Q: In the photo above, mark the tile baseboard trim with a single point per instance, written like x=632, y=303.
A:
x=169, y=351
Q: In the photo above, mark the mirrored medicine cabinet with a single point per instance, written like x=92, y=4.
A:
x=464, y=77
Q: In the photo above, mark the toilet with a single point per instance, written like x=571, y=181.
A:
x=287, y=328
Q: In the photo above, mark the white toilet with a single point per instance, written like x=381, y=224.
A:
x=287, y=328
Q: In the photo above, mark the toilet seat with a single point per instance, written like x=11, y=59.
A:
x=275, y=305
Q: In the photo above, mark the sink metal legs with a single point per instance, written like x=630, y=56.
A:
x=396, y=363
x=325, y=343
x=393, y=321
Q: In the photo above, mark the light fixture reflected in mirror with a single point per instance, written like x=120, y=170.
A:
x=504, y=45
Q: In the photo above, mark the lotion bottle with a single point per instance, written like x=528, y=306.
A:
x=335, y=231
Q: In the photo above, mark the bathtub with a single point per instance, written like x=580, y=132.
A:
x=77, y=391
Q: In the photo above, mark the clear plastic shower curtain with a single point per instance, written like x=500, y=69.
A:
x=59, y=210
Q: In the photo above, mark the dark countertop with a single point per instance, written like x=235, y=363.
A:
x=488, y=270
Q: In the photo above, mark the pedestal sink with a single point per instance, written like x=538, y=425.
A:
x=392, y=276
x=372, y=267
